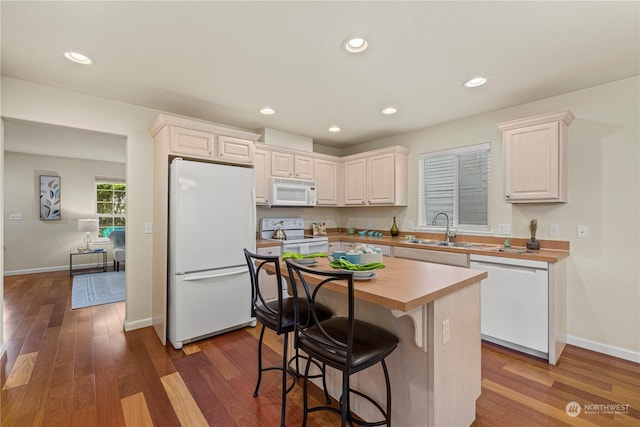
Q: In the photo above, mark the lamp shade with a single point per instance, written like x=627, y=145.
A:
x=88, y=225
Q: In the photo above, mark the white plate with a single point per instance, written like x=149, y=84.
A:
x=306, y=261
x=373, y=274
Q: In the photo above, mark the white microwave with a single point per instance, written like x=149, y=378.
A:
x=292, y=192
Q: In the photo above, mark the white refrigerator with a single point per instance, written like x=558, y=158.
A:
x=211, y=219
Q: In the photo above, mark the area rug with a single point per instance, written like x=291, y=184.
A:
x=96, y=289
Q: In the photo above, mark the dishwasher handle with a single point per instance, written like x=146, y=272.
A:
x=480, y=264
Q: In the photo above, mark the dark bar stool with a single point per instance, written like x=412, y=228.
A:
x=344, y=343
x=279, y=316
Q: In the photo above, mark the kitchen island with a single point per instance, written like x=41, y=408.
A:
x=434, y=310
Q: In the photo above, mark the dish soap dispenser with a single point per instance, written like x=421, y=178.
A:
x=394, y=228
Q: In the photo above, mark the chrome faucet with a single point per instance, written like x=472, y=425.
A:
x=447, y=233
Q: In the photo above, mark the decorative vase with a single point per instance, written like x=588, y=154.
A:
x=394, y=228
x=533, y=244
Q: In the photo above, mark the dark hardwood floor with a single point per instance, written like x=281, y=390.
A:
x=66, y=367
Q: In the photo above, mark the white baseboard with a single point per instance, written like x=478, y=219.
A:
x=37, y=270
x=137, y=324
x=610, y=350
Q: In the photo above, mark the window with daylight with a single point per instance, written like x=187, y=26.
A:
x=111, y=206
x=456, y=182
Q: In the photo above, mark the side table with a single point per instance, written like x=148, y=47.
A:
x=89, y=269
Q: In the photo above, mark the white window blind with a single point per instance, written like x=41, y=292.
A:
x=456, y=182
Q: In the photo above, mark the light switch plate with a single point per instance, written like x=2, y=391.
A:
x=15, y=217
x=554, y=230
x=504, y=228
x=148, y=228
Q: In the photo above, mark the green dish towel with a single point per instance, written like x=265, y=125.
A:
x=346, y=265
x=295, y=255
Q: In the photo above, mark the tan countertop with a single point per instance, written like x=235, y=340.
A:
x=489, y=246
x=405, y=284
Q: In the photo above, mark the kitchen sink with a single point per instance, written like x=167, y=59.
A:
x=443, y=243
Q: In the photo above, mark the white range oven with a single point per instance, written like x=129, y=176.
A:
x=296, y=240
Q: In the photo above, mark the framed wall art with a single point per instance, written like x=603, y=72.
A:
x=49, y=198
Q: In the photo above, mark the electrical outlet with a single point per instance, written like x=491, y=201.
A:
x=554, y=230
x=410, y=223
x=148, y=228
x=368, y=223
x=15, y=217
x=445, y=331
x=583, y=232
x=504, y=228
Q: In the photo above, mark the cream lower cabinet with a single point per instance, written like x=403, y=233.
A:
x=268, y=282
x=439, y=257
x=535, y=158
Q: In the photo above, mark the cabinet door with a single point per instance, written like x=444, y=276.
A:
x=439, y=257
x=192, y=142
x=262, y=168
x=381, y=179
x=348, y=246
x=282, y=164
x=235, y=150
x=304, y=167
x=326, y=182
x=355, y=176
x=335, y=246
x=268, y=282
x=532, y=163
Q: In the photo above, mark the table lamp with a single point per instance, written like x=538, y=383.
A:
x=88, y=226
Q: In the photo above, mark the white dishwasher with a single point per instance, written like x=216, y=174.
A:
x=515, y=303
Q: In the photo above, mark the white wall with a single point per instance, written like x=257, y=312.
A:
x=32, y=245
x=604, y=194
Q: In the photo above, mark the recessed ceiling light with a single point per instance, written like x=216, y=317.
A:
x=267, y=110
x=334, y=129
x=475, y=82
x=356, y=45
x=78, y=57
x=389, y=110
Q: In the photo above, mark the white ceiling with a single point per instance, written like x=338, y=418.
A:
x=223, y=61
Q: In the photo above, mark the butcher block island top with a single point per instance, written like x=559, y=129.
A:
x=405, y=284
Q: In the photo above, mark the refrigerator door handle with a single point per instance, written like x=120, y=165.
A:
x=213, y=276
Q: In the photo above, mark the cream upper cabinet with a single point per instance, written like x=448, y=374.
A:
x=197, y=140
x=377, y=177
x=262, y=168
x=355, y=182
x=192, y=142
x=282, y=164
x=326, y=182
x=535, y=158
x=235, y=150
x=380, y=179
x=303, y=167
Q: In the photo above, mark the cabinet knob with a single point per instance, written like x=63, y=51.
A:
x=507, y=195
